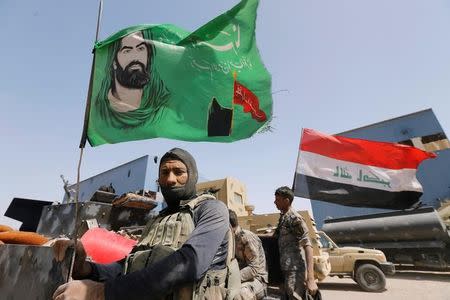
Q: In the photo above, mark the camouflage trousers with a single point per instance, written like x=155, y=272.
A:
x=294, y=284
x=252, y=290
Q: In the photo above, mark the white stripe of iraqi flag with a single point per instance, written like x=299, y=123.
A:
x=356, y=172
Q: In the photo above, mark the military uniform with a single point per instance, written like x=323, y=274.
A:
x=182, y=253
x=252, y=264
x=292, y=235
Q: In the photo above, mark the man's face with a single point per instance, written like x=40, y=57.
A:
x=282, y=203
x=172, y=173
x=131, y=62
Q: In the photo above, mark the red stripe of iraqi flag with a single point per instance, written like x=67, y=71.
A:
x=321, y=153
x=249, y=102
x=378, y=154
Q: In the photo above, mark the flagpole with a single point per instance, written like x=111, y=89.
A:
x=232, y=99
x=83, y=142
x=298, y=157
x=91, y=79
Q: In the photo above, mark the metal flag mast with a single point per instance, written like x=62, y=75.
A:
x=298, y=157
x=83, y=141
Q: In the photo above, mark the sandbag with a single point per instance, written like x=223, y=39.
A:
x=322, y=266
x=135, y=201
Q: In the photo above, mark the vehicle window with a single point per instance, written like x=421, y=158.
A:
x=325, y=242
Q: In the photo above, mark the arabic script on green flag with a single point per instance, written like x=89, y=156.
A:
x=161, y=81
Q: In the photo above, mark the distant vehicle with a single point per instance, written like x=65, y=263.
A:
x=419, y=238
x=367, y=267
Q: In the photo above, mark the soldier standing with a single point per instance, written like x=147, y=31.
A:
x=293, y=243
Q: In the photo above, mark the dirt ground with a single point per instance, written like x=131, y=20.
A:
x=404, y=285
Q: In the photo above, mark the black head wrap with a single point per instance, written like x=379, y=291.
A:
x=173, y=195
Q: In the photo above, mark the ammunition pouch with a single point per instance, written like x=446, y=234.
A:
x=138, y=260
x=143, y=258
x=213, y=285
x=165, y=234
x=233, y=283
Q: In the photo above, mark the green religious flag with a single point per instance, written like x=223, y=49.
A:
x=161, y=81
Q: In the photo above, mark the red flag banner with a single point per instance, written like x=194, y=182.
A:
x=243, y=96
x=356, y=172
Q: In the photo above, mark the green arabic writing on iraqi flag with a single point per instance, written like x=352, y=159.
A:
x=161, y=81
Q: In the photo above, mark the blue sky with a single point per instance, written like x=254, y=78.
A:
x=335, y=65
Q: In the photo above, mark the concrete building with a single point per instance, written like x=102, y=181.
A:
x=421, y=130
x=230, y=191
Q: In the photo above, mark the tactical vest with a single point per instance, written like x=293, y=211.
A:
x=165, y=234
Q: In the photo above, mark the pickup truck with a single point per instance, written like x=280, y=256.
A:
x=367, y=267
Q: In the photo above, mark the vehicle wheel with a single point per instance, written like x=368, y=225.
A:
x=370, y=278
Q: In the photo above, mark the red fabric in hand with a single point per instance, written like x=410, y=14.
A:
x=105, y=246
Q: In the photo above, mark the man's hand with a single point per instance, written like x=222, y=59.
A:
x=81, y=268
x=80, y=290
x=311, y=285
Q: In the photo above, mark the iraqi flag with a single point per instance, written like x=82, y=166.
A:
x=355, y=172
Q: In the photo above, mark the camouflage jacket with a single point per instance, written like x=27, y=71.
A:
x=250, y=256
x=292, y=235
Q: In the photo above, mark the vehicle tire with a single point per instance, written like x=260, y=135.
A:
x=370, y=278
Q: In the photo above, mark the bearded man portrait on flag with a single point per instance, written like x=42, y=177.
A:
x=131, y=88
x=159, y=80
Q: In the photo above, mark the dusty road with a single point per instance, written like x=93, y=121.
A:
x=404, y=285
